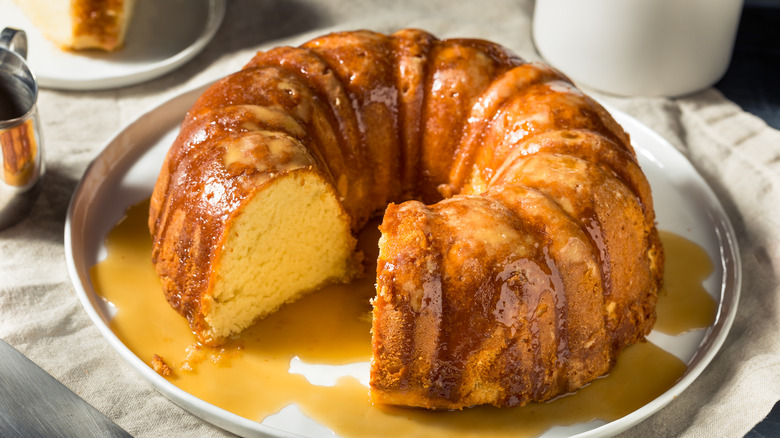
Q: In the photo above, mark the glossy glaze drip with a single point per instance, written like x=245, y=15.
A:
x=331, y=327
x=98, y=18
x=683, y=303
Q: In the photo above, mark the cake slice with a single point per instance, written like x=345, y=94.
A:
x=282, y=232
x=81, y=24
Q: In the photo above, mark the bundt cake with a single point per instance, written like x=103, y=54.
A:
x=519, y=253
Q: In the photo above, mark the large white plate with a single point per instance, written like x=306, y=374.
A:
x=163, y=35
x=124, y=173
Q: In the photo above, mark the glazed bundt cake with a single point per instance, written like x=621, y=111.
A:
x=519, y=253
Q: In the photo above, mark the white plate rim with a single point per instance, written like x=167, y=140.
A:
x=216, y=10
x=118, y=153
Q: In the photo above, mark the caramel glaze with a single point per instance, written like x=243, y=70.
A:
x=683, y=303
x=99, y=19
x=149, y=327
x=388, y=118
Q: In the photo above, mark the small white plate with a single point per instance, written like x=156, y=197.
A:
x=125, y=172
x=163, y=35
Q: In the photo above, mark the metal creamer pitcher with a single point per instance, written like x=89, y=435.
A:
x=21, y=146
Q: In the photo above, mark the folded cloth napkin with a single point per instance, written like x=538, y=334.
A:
x=737, y=154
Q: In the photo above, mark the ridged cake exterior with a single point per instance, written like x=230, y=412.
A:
x=519, y=253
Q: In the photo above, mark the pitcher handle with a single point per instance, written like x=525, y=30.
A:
x=14, y=39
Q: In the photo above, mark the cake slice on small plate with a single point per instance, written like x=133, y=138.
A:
x=81, y=24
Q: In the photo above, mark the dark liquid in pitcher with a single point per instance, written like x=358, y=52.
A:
x=15, y=97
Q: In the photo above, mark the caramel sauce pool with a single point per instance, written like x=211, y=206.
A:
x=251, y=376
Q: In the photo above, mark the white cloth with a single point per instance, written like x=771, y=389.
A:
x=738, y=155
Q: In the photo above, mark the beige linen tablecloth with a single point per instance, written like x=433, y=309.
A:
x=738, y=155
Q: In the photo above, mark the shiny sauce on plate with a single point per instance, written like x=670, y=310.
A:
x=269, y=367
